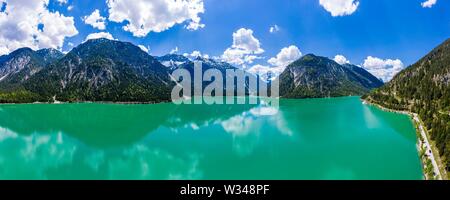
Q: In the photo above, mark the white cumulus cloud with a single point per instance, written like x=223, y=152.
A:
x=144, y=16
x=340, y=7
x=384, y=69
x=278, y=64
x=265, y=70
x=286, y=56
x=95, y=20
x=31, y=24
x=245, y=48
x=99, y=35
x=428, y=3
x=244, y=39
x=340, y=59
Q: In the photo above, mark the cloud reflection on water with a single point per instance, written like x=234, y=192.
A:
x=56, y=156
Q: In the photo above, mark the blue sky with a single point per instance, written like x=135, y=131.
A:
x=387, y=31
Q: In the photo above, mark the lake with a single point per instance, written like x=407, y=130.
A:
x=324, y=139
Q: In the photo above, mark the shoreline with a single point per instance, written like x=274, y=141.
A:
x=56, y=102
x=424, y=147
x=87, y=102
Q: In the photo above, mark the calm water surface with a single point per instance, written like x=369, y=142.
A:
x=307, y=139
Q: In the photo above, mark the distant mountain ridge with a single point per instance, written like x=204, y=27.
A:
x=172, y=61
x=209, y=64
x=115, y=71
x=315, y=77
x=175, y=61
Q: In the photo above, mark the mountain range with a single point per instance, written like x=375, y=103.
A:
x=21, y=64
x=115, y=71
x=97, y=70
x=315, y=77
x=172, y=61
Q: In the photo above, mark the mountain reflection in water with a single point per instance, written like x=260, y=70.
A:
x=305, y=139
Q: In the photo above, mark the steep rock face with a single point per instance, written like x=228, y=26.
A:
x=314, y=77
x=120, y=52
x=423, y=88
x=49, y=55
x=23, y=63
x=364, y=77
x=15, y=62
x=102, y=70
